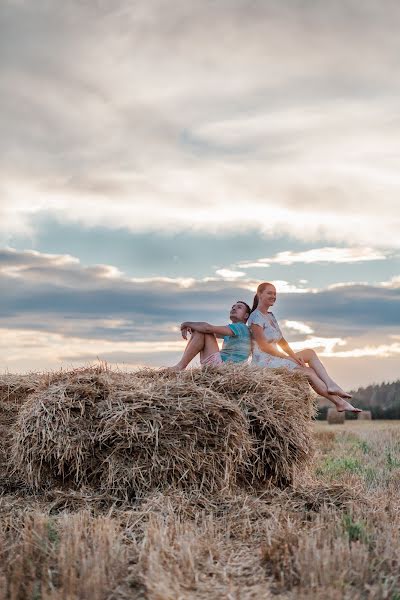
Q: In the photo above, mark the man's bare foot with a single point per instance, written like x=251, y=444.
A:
x=174, y=369
x=337, y=391
x=343, y=405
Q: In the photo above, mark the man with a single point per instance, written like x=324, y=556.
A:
x=236, y=346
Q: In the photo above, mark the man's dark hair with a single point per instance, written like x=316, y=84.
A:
x=248, y=309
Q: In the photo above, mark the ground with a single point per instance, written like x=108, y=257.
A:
x=335, y=535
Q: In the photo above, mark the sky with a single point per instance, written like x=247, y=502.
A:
x=159, y=160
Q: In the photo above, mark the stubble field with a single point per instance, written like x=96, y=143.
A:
x=335, y=534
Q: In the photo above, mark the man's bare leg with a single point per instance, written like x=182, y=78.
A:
x=210, y=346
x=203, y=343
x=311, y=357
x=320, y=387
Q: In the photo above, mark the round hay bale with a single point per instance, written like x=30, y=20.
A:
x=335, y=417
x=279, y=406
x=365, y=415
x=132, y=434
x=54, y=436
x=172, y=433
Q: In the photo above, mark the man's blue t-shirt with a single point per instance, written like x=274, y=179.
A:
x=237, y=347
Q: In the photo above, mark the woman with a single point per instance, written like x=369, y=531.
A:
x=267, y=336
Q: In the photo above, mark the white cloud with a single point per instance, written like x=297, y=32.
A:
x=15, y=263
x=27, y=347
x=319, y=255
x=298, y=326
x=182, y=282
x=141, y=118
x=381, y=351
x=326, y=346
x=284, y=287
x=228, y=274
x=394, y=282
x=172, y=198
x=63, y=268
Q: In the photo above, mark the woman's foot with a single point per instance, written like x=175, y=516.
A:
x=337, y=391
x=343, y=405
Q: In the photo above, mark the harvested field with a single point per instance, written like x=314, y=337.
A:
x=332, y=533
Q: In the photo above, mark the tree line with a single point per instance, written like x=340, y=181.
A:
x=383, y=400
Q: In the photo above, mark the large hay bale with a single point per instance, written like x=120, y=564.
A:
x=130, y=434
x=279, y=406
x=335, y=417
x=14, y=391
x=178, y=435
x=365, y=415
x=55, y=432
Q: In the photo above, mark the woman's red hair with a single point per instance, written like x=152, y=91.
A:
x=260, y=290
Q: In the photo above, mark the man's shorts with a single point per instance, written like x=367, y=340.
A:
x=214, y=359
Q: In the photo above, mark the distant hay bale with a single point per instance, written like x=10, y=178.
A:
x=131, y=434
x=365, y=415
x=335, y=417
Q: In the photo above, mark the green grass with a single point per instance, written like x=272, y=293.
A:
x=52, y=532
x=392, y=461
x=355, y=530
x=334, y=467
x=37, y=593
x=365, y=447
x=375, y=460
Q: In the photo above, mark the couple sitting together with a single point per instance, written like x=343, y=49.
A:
x=256, y=331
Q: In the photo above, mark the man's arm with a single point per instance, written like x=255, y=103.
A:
x=257, y=332
x=203, y=327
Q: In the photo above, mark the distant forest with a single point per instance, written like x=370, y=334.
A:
x=382, y=400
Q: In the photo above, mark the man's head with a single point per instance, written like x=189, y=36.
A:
x=240, y=312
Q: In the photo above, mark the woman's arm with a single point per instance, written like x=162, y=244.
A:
x=286, y=348
x=258, y=335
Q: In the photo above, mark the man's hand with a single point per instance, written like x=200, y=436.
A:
x=185, y=329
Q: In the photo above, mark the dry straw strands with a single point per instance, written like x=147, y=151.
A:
x=335, y=417
x=365, y=415
x=131, y=434
x=15, y=388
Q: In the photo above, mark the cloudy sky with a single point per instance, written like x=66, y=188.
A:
x=158, y=160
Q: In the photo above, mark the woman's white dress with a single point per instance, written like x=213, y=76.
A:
x=272, y=335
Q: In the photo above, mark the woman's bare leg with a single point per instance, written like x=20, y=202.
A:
x=320, y=387
x=311, y=357
x=203, y=343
